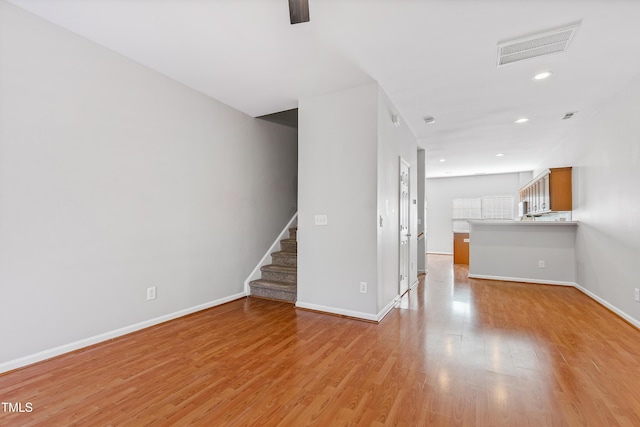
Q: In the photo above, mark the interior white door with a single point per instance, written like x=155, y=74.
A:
x=404, y=227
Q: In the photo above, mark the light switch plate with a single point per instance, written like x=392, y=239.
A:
x=321, y=220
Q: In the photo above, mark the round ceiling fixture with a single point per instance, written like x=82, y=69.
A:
x=543, y=75
x=522, y=120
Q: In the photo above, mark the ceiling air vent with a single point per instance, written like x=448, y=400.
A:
x=536, y=45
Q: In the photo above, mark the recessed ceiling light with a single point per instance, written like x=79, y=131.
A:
x=441, y=160
x=542, y=76
x=522, y=120
x=500, y=155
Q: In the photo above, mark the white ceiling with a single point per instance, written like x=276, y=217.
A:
x=433, y=58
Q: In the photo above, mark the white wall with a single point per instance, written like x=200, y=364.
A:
x=605, y=155
x=349, y=170
x=337, y=178
x=394, y=142
x=442, y=191
x=422, y=248
x=512, y=251
x=114, y=178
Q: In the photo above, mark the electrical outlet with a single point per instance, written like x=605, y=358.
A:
x=151, y=293
x=363, y=287
x=637, y=295
x=541, y=264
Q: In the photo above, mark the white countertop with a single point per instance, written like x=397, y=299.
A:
x=525, y=223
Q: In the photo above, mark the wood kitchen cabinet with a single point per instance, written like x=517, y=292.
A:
x=548, y=192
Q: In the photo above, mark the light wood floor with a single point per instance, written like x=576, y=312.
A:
x=456, y=352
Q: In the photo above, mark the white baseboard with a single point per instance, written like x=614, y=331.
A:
x=521, y=279
x=350, y=313
x=340, y=311
x=616, y=310
x=389, y=307
x=439, y=253
x=76, y=345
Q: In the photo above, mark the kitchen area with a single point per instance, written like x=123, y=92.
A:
x=535, y=247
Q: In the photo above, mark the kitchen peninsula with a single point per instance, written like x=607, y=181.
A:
x=523, y=251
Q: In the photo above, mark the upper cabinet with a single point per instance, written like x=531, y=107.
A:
x=548, y=192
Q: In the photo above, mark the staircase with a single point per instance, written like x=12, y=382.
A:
x=279, y=278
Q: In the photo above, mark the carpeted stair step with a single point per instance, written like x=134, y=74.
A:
x=278, y=281
x=288, y=245
x=271, y=289
x=280, y=273
x=289, y=259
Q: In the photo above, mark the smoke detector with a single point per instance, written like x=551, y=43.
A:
x=429, y=120
x=568, y=115
x=536, y=45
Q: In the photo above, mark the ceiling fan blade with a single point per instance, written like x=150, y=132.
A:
x=299, y=11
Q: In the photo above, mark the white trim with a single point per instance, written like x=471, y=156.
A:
x=406, y=164
x=389, y=307
x=616, y=310
x=256, y=273
x=76, y=345
x=439, y=253
x=413, y=284
x=340, y=311
x=350, y=313
x=520, y=279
